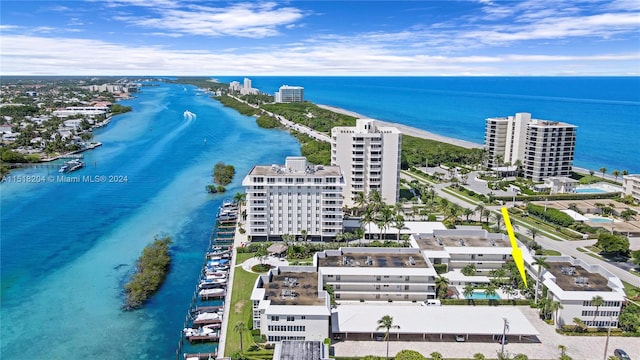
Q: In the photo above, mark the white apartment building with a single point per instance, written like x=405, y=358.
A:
x=631, y=186
x=290, y=198
x=289, y=94
x=561, y=185
x=458, y=248
x=545, y=148
x=369, y=156
x=289, y=304
x=378, y=274
x=574, y=283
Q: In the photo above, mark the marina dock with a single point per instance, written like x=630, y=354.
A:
x=203, y=323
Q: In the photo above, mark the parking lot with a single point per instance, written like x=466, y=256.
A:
x=578, y=347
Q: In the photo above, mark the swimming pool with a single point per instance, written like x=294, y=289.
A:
x=480, y=295
x=589, y=191
x=600, y=220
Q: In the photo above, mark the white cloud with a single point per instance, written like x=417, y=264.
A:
x=23, y=54
x=242, y=19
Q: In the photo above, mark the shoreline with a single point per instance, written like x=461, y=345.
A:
x=408, y=130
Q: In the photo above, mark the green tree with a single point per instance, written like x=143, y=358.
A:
x=261, y=254
x=398, y=223
x=616, y=173
x=541, y=261
x=478, y=356
x=386, y=324
x=629, y=318
x=521, y=357
x=497, y=218
x=442, y=286
x=603, y=170
x=409, y=355
x=468, y=270
x=467, y=212
x=628, y=214
x=580, y=326
x=563, y=349
x=240, y=327
x=612, y=244
x=596, y=301
x=436, y=356
x=468, y=290
x=554, y=307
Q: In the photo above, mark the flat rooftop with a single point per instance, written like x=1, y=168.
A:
x=439, y=242
x=293, y=288
x=296, y=350
x=283, y=171
x=374, y=260
x=576, y=278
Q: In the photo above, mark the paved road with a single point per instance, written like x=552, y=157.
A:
x=565, y=247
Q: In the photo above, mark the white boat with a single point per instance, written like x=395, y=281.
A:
x=216, y=275
x=211, y=292
x=208, y=316
x=70, y=166
x=203, y=331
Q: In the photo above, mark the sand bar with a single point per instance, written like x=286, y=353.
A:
x=408, y=130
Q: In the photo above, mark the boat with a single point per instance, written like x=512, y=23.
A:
x=211, y=292
x=208, y=316
x=70, y=166
x=203, y=331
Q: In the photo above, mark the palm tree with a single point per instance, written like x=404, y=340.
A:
x=367, y=217
x=554, y=306
x=442, y=286
x=239, y=198
x=468, y=290
x=467, y=212
x=541, y=261
x=386, y=323
x=616, y=173
x=454, y=211
x=603, y=170
x=490, y=291
x=486, y=214
x=579, y=324
x=479, y=209
x=625, y=172
x=304, y=234
x=533, y=232
x=360, y=201
x=375, y=200
x=498, y=220
x=398, y=223
x=240, y=327
x=596, y=301
x=591, y=172
x=562, y=349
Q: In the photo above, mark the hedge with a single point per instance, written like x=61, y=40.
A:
x=542, y=197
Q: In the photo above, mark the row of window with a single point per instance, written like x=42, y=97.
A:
x=289, y=318
x=601, y=323
x=606, y=303
x=298, y=328
x=297, y=180
x=600, y=313
x=280, y=338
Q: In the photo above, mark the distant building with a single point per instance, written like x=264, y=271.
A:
x=631, y=185
x=234, y=86
x=545, y=148
x=561, y=185
x=294, y=198
x=289, y=94
x=247, y=89
x=369, y=156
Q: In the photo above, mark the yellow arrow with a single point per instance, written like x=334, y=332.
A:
x=516, y=252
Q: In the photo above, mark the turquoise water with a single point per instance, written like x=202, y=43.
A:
x=67, y=248
x=480, y=295
x=590, y=191
x=605, y=109
x=600, y=220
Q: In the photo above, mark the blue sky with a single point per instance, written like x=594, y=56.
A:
x=435, y=38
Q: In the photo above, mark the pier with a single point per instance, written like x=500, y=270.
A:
x=204, y=323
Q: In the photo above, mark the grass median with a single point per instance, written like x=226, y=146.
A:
x=240, y=310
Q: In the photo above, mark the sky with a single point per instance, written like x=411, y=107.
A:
x=350, y=38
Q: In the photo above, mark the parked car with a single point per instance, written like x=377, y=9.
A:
x=460, y=338
x=621, y=354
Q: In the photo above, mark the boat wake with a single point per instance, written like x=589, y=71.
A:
x=188, y=115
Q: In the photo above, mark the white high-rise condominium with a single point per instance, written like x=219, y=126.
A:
x=369, y=157
x=543, y=147
x=296, y=198
x=289, y=94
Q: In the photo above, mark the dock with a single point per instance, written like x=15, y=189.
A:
x=216, y=262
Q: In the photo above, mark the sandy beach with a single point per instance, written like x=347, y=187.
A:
x=408, y=130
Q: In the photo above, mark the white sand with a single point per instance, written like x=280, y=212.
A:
x=408, y=130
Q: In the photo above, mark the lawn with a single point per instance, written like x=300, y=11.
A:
x=240, y=309
x=242, y=257
x=630, y=290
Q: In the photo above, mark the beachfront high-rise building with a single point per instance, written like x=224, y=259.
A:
x=369, y=157
x=631, y=185
x=544, y=148
x=296, y=198
x=289, y=94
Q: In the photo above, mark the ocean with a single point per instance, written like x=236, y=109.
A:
x=68, y=248
x=605, y=109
